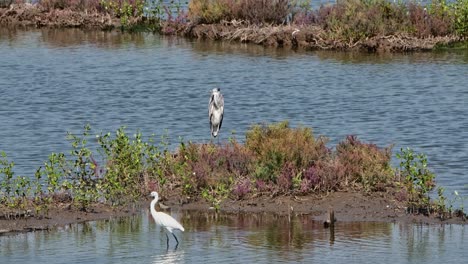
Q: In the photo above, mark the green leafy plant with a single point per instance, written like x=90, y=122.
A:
x=460, y=11
x=53, y=170
x=22, y=191
x=441, y=202
x=128, y=159
x=419, y=180
x=6, y=170
x=83, y=182
x=125, y=10
x=216, y=195
x=41, y=201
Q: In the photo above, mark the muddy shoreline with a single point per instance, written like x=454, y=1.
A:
x=28, y=15
x=282, y=36
x=348, y=206
x=314, y=38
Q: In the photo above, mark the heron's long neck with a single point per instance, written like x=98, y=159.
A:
x=152, y=205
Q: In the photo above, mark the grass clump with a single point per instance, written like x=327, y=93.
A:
x=207, y=11
x=365, y=164
x=282, y=154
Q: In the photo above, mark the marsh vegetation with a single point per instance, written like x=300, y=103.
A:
x=275, y=160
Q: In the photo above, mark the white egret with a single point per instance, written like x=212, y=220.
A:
x=216, y=111
x=164, y=220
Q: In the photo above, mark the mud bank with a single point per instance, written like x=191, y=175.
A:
x=348, y=206
x=313, y=38
x=27, y=15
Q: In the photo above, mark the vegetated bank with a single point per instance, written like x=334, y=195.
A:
x=278, y=169
x=369, y=25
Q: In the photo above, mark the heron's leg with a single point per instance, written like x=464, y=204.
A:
x=176, y=239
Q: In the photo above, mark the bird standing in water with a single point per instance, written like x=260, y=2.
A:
x=216, y=111
x=165, y=220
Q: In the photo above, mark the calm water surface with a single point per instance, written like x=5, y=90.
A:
x=54, y=81
x=254, y=238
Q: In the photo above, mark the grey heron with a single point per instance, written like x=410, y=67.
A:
x=165, y=220
x=216, y=111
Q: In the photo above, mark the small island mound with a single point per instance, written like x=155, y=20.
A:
x=277, y=169
x=361, y=25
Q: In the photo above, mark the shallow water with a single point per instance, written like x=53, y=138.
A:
x=254, y=238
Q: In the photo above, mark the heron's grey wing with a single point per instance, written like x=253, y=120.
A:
x=221, y=101
x=210, y=107
x=221, y=107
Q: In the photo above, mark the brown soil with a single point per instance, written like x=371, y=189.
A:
x=348, y=206
x=312, y=38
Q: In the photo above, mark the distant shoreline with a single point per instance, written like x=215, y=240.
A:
x=27, y=15
x=311, y=38
x=282, y=36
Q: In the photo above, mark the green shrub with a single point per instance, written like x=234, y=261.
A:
x=365, y=164
x=274, y=145
x=417, y=177
x=208, y=11
x=7, y=173
x=126, y=162
x=460, y=10
x=81, y=180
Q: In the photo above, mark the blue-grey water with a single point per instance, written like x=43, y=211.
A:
x=254, y=238
x=54, y=81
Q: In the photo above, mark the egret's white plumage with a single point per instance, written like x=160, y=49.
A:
x=216, y=111
x=164, y=220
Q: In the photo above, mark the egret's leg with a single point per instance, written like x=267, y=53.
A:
x=176, y=239
x=167, y=240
